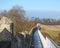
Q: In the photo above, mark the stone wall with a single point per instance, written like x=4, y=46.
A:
x=5, y=23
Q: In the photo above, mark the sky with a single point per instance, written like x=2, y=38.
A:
x=32, y=5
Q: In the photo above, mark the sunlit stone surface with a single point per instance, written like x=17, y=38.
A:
x=5, y=23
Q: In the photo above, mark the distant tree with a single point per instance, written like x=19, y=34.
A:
x=17, y=11
x=21, y=23
x=4, y=13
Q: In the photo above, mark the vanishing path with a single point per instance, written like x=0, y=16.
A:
x=39, y=41
x=36, y=42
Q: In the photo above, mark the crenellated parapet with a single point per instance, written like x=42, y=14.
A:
x=7, y=23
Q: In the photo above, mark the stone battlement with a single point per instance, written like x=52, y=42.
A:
x=5, y=23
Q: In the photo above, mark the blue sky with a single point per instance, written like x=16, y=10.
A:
x=29, y=5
